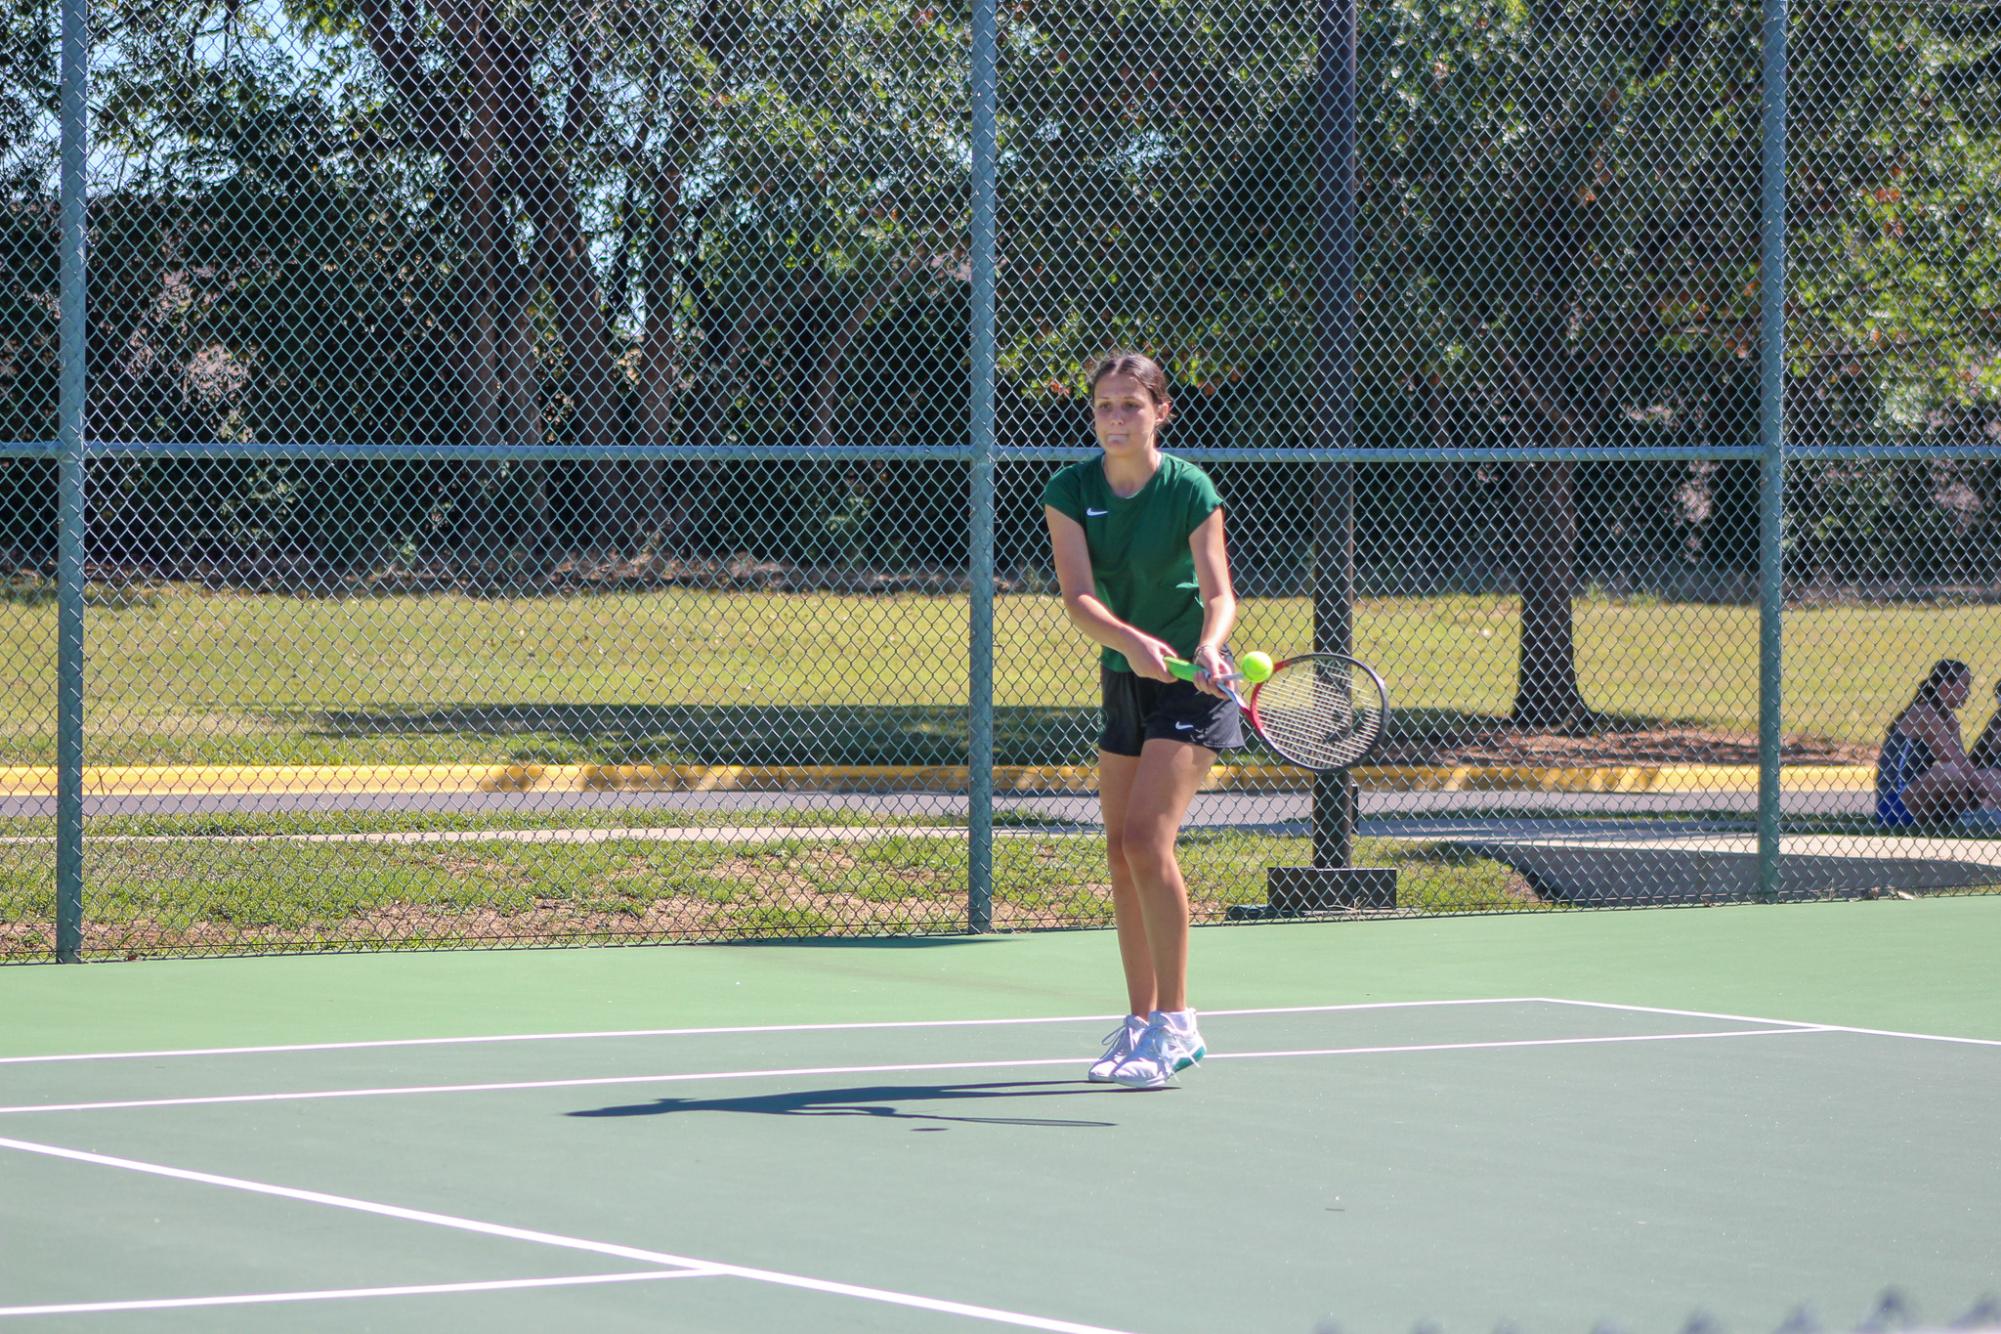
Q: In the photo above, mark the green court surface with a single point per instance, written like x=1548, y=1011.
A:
x=1563, y=1123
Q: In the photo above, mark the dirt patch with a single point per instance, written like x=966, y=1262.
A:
x=588, y=572
x=25, y=941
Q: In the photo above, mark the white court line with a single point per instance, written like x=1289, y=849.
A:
x=348, y=1294
x=694, y=1266
x=800, y=1072
x=1752, y=1019
x=1517, y=1042
x=741, y=1028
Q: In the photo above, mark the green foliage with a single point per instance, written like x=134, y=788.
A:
x=745, y=222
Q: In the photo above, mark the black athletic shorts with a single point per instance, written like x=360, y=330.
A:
x=1137, y=710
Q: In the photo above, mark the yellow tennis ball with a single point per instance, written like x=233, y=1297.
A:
x=1255, y=666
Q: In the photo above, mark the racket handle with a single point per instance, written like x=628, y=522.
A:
x=1185, y=669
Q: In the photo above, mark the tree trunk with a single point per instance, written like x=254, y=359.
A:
x=835, y=345
x=1546, y=693
x=528, y=526
x=1554, y=402
x=576, y=300
x=661, y=363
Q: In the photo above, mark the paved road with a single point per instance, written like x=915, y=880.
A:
x=1221, y=808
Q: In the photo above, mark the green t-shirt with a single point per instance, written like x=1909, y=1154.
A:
x=1140, y=559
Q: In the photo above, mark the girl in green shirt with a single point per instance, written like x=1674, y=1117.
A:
x=1137, y=537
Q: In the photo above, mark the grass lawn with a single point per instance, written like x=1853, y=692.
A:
x=692, y=676
x=162, y=886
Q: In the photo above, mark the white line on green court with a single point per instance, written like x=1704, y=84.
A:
x=1753, y=1019
x=805, y=1072
x=743, y=1028
x=350, y=1294
x=705, y=1267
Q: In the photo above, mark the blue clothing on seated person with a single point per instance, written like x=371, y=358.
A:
x=1898, y=765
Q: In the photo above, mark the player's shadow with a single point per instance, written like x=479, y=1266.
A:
x=880, y=1100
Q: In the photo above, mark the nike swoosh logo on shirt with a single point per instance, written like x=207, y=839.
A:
x=1184, y=727
x=1090, y=513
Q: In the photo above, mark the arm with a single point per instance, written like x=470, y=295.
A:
x=1146, y=655
x=1219, y=599
x=1940, y=731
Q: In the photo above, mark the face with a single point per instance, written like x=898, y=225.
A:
x=1955, y=691
x=1124, y=414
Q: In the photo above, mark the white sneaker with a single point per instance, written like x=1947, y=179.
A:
x=1161, y=1053
x=1191, y=1037
x=1119, y=1044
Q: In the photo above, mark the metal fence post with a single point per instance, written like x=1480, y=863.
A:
x=1336, y=165
x=980, y=566
x=1771, y=437
x=69, y=503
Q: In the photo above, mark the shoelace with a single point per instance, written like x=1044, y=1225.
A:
x=1118, y=1037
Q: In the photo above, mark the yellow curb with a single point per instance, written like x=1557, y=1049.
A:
x=261, y=779
x=356, y=779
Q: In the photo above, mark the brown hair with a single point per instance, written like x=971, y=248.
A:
x=1138, y=365
x=1943, y=671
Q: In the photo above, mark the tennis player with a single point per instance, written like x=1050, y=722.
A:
x=1137, y=537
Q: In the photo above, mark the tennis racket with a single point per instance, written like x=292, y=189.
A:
x=1320, y=711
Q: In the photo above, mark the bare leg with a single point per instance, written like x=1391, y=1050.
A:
x=1945, y=792
x=1115, y=782
x=1169, y=773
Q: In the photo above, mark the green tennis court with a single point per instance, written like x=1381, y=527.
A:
x=1583, y=1121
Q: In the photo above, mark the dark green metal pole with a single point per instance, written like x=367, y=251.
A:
x=980, y=682
x=1771, y=435
x=1334, y=398
x=69, y=496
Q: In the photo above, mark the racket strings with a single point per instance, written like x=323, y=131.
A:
x=1310, y=713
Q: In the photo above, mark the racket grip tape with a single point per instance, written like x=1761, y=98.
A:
x=1185, y=669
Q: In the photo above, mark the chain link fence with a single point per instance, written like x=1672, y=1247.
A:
x=553, y=473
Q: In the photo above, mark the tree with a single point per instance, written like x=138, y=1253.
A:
x=1560, y=247
x=28, y=224
x=529, y=224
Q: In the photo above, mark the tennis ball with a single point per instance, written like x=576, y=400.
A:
x=1256, y=667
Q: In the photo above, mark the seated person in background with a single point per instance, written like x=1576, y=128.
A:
x=1986, y=752
x=1923, y=775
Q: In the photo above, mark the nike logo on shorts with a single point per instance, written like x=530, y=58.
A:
x=1184, y=727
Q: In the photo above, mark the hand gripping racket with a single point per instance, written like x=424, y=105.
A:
x=1320, y=711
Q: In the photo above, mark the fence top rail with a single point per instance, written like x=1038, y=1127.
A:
x=538, y=453
x=965, y=453
x=960, y=453
x=31, y=449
